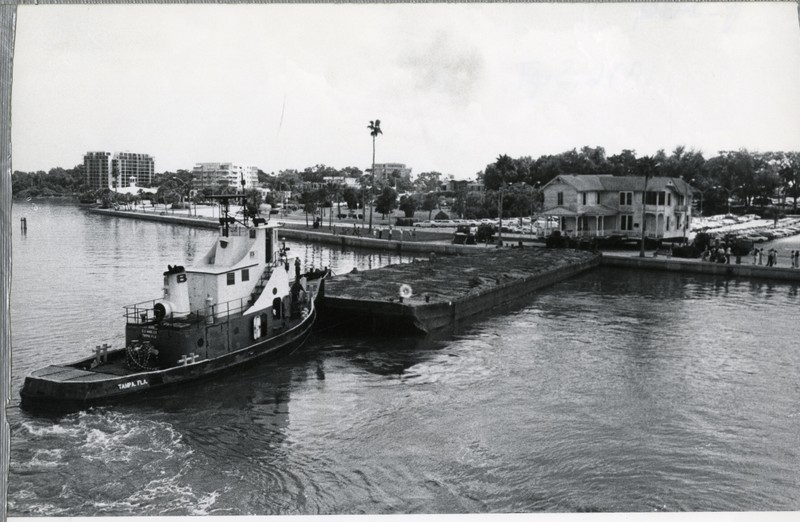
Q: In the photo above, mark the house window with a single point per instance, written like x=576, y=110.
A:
x=626, y=222
x=583, y=223
x=668, y=223
x=560, y=198
x=583, y=198
x=626, y=198
x=231, y=278
x=245, y=274
x=669, y=199
x=661, y=196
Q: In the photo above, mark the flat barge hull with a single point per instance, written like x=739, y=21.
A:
x=447, y=294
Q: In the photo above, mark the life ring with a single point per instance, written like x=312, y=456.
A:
x=405, y=291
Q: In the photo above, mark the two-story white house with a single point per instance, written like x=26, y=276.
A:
x=602, y=205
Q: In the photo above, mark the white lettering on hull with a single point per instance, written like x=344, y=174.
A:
x=132, y=384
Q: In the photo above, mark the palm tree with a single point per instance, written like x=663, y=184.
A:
x=505, y=166
x=375, y=129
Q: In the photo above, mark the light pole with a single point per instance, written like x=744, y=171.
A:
x=534, y=191
x=647, y=173
x=644, y=212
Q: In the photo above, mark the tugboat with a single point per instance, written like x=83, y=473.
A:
x=238, y=303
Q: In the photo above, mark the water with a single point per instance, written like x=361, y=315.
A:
x=613, y=391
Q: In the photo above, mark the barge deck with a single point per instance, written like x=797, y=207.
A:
x=443, y=294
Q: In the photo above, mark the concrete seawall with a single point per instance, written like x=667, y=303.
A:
x=692, y=266
x=161, y=218
x=291, y=231
x=415, y=247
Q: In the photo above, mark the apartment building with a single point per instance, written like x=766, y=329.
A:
x=97, y=166
x=132, y=167
x=120, y=170
x=214, y=174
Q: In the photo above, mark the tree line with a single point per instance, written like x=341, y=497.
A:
x=751, y=179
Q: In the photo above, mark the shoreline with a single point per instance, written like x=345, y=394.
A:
x=438, y=243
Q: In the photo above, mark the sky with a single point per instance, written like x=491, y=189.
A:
x=454, y=85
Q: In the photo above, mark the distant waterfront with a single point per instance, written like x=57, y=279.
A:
x=613, y=391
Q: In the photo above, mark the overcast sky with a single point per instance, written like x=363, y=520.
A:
x=454, y=86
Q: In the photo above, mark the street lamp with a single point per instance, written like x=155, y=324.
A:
x=534, y=191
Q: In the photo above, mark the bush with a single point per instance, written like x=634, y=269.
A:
x=441, y=215
x=555, y=240
x=485, y=232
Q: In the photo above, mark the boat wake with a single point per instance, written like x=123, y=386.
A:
x=122, y=463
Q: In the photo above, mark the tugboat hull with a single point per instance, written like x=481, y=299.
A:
x=76, y=386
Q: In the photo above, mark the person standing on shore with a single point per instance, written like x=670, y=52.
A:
x=755, y=255
x=760, y=256
x=797, y=258
x=791, y=258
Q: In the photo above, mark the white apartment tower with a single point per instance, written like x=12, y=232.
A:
x=132, y=166
x=213, y=174
x=102, y=169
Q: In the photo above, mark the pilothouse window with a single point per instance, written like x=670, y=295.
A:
x=231, y=278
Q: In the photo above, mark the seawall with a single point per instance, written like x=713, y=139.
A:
x=299, y=232
x=693, y=266
x=163, y=217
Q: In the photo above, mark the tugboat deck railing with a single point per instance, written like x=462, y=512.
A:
x=143, y=313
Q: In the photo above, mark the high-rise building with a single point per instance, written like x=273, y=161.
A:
x=97, y=166
x=213, y=174
x=130, y=167
x=102, y=170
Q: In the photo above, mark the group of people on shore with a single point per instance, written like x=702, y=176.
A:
x=722, y=253
x=377, y=232
x=771, y=257
x=717, y=254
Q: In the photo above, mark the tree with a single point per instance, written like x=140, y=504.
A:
x=789, y=172
x=409, y=205
x=624, y=163
x=351, y=197
x=374, y=129
x=428, y=181
x=309, y=200
x=387, y=201
x=473, y=206
x=430, y=202
x=496, y=177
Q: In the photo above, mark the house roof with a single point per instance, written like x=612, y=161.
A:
x=583, y=182
x=608, y=182
x=596, y=210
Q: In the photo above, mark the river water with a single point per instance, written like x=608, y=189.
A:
x=612, y=391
